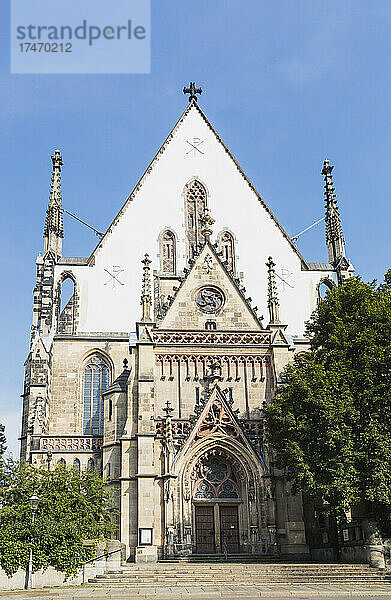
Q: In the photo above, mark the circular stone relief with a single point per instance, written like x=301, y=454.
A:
x=209, y=299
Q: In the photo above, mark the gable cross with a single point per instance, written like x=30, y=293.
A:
x=192, y=91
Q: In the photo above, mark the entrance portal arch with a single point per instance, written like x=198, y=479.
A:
x=221, y=491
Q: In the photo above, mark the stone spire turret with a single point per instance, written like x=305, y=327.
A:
x=53, y=231
x=146, y=298
x=273, y=302
x=334, y=236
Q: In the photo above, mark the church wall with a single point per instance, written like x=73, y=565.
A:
x=66, y=390
x=158, y=204
x=247, y=394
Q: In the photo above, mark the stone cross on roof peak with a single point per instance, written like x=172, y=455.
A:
x=192, y=91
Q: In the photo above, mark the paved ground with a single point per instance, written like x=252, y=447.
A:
x=275, y=591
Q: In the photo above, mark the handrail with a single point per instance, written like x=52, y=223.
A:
x=105, y=555
x=225, y=550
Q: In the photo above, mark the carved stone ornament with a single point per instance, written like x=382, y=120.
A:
x=210, y=299
x=217, y=420
x=215, y=478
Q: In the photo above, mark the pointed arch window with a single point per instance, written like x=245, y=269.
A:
x=227, y=249
x=96, y=381
x=168, y=253
x=195, y=204
x=66, y=304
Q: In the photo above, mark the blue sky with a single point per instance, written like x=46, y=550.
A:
x=286, y=83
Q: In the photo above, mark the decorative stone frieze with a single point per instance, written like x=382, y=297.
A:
x=71, y=443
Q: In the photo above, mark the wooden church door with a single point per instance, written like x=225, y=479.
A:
x=229, y=529
x=205, y=530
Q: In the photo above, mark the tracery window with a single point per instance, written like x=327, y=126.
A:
x=96, y=381
x=195, y=204
x=76, y=464
x=216, y=479
x=227, y=248
x=168, y=252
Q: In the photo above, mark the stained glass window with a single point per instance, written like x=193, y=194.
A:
x=216, y=480
x=96, y=381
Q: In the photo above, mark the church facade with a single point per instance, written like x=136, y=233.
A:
x=156, y=368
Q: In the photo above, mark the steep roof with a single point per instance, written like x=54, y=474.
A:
x=193, y=105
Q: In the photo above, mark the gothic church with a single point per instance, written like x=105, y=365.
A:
x=156, y=369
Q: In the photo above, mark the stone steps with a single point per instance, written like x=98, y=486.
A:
x=237, y=580
x=190, y=575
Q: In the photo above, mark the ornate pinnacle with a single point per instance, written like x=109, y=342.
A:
x=334, y=236
x=53, y=224
x=273, y=303
x=146, y=298
x=168, y=427
x=206, y=223
x=192, y=91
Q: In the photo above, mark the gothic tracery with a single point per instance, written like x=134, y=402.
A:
x=195, y=203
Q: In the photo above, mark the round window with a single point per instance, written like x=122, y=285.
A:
x=209, y=299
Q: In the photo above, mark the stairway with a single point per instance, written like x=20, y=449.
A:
x=182, y=573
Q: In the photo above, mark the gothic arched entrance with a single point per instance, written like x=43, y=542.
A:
x=217, y=499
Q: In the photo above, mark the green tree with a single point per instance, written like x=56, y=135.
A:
x=3, y=440
x=73, y=507
x=330, y=423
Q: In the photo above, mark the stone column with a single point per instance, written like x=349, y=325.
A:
x=146, y=474
x=374, y=544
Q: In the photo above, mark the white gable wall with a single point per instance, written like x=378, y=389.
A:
x=158, y=204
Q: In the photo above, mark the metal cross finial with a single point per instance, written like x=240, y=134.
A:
x=168, y=409
x=193, y=91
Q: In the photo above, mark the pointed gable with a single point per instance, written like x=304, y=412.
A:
x=194, y=110
x=209, y=293
x=217, y=418
x=193, y=150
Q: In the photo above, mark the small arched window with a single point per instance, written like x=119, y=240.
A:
x=227, y=249
x=96, y=381
x=325, y=285
x=61, y=463
x=66, y=305
x=168, y=253
x=195, y=205
x=110, y=415
x=90, y=465
x=76, y=465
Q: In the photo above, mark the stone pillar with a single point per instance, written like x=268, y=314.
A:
x=113, y=562
x=295, y=542
x=146, y=472
x=374, y=545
